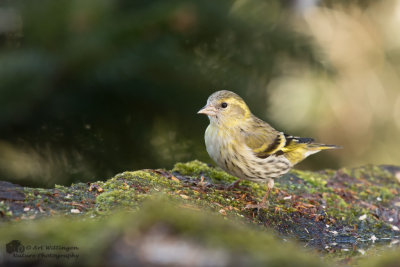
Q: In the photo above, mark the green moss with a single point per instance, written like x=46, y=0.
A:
x=300, y=206
x=198, y=168
x=132, y=237
x=5, y=209
x=117, y=199
x=129, y=189
x=316, y=180
x=385, y=193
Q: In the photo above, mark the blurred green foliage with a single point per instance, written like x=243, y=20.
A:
x=89, y=88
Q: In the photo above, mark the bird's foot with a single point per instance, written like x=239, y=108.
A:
x=262, y=204
x=258, y=206
x=233, y=185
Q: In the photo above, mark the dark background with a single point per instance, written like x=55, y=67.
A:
x=90, y=88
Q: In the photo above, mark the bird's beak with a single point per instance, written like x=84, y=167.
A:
x=208, y=110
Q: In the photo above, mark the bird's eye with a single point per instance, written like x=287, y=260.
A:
x=224, y=105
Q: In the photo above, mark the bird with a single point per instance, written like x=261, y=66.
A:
x=249, y=148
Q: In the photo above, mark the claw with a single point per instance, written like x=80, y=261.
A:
x=261, y=205
x=233, y=185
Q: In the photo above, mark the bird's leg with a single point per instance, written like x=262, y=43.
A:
x=233, y=185
x=262, y=204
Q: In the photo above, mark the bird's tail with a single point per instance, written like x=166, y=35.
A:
x=316, y=146
x=313, y=148
x=298, y=149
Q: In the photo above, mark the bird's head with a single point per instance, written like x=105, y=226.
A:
x=225, y=108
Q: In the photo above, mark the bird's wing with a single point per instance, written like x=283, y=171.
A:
x=294, y=141
x=298, y=148
x=264, y=140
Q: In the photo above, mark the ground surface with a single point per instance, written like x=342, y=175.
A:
x=187, y=216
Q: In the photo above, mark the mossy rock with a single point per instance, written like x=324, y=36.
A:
x=341, y=214
x=158, y=234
